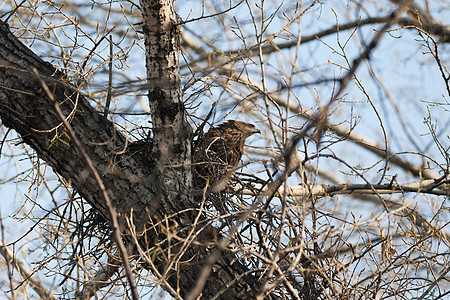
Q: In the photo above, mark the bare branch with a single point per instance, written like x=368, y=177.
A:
x=430, y=186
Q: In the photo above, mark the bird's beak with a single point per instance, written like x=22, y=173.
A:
x=256, y=131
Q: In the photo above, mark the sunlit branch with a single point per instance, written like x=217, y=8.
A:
x=426, y=186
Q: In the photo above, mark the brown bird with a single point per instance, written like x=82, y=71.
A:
x=219, y=151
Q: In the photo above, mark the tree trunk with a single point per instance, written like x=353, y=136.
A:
x=157, y=185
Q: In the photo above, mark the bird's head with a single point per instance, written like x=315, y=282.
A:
x=247, y=129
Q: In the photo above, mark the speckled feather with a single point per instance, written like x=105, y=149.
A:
x=220, y=149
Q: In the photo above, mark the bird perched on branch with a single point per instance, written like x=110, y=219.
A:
x=219, y=151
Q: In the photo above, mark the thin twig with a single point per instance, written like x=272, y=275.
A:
x=109, y=94
x=26, y=273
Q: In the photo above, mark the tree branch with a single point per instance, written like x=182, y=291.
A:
x=425, y=186
x=28, y=275
x=417, y=18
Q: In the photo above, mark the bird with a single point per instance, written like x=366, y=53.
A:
x=218, y=152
